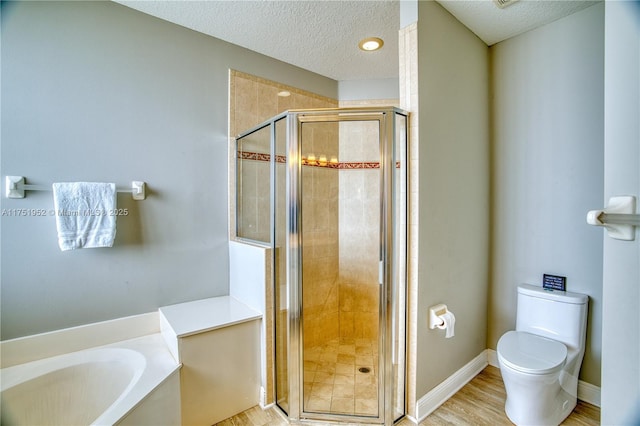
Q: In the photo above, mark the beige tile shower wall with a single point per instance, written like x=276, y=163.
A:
x=320, y=237
x=253, y=100
x=359, y=227
x=253, y=189
x=253, y=212
x=359, y=216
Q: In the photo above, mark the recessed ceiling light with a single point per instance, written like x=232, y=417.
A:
x=284, y=93
x=370, y=44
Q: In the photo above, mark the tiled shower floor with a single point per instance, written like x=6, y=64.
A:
x=333, y=382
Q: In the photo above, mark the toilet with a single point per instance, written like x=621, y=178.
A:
x=541, y=359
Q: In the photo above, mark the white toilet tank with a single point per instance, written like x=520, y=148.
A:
x=558, y=315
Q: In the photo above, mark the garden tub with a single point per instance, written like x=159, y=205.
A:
x=130, y=382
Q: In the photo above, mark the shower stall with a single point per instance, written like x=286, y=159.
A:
x=327, y=191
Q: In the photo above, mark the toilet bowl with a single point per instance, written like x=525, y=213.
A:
x=541, y=359
x=531, y=368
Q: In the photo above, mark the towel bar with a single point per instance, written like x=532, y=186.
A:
x=15, y=187
x=618, y=217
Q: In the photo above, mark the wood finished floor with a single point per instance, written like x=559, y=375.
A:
x=479, y=402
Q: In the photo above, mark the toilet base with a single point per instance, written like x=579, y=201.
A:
x=533, y=417
x=537, y=400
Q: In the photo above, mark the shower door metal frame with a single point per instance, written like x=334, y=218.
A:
x=386, y=122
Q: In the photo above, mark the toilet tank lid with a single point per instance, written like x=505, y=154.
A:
x=560, y=296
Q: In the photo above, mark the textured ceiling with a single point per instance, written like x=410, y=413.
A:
x=494, y=25
x=322, y=36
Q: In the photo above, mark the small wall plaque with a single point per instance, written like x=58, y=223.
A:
x=554, y=282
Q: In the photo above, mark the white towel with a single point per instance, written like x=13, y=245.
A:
x=85, y=214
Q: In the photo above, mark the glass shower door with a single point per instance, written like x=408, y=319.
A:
x=327, y=190
x=281, y=330
x=341, y=309
x=398, y=286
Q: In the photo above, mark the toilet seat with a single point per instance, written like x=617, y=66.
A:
x=531, y=354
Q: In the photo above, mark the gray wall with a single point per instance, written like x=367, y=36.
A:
x=548, y=106
x=95, y=91
x=382, y=88
x=453, y=89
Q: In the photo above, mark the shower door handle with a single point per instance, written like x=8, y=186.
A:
x=381, y=272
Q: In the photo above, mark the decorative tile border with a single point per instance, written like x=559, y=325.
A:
x=257, y=156
x=345, y=165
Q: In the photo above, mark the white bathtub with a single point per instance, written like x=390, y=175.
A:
x=133, y=382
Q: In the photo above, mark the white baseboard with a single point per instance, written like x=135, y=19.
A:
x=411, y=419
x=589, y=393
x=263, y=400
x=586, y=391
x=445, y=390
x=492, y=358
